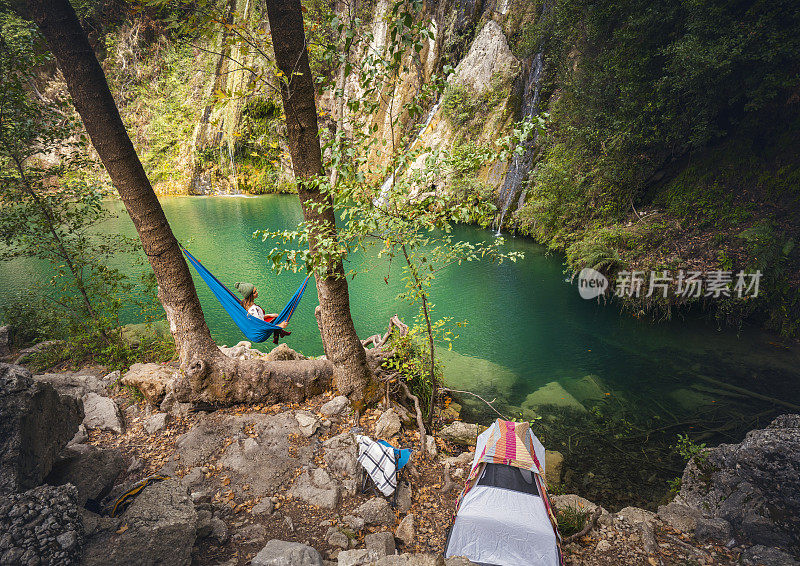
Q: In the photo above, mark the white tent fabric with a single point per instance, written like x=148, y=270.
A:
x=503, y=527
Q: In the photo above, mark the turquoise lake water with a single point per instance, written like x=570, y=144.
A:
x=622, y=387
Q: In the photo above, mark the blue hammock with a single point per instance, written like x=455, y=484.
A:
x=256, y=329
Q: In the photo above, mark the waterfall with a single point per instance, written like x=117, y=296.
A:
x=521, y=163
x=387, y=184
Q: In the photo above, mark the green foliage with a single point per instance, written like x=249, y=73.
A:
x=570, y=520
x=688, y=449
x=467, y=110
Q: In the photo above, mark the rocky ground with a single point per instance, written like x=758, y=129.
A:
x=280, y=484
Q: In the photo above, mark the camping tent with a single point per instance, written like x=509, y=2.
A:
x=504, y=516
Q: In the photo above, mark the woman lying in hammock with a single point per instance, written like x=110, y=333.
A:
x=250, y=294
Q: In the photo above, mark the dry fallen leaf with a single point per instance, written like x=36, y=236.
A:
x=122, y=529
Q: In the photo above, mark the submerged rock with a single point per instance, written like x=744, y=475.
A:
x=35, y=426
x=754, y=485
x=552, y=394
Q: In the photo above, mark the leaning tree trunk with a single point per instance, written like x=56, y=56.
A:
x=208, y=375
x=340, y=340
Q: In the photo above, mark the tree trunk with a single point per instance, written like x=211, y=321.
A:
x=339, y=337
x=208, y=376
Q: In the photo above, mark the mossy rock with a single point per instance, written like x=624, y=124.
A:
x=587, y=388
x=552, y=394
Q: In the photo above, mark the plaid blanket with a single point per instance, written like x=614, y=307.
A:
x=378, y=460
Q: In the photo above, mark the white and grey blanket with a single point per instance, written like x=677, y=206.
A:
x=379, y=462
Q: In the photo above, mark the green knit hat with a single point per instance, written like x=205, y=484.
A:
x=246, y=289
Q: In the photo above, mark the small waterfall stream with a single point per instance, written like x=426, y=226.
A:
x=521, y=163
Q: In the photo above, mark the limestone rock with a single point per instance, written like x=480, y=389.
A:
x=101, y=413
x=753, y=485
x=602, y=546
x=282, y=553
x=463, y=458
x=636, y=516
x=465, y=434
x=282, y=352
x=679, y=517
x=150, y=379
x=335, y=406
x=760, y=555
x=259, y=455
x=405, y=530
x=712, y=528
x=79, y=383
x=161, y=529
x=41, y=526
x=404, y=500
x=250, y=534
x=488, y=54
x=157, y=423
x=388, y=424
x=430, y=446
x=553, y=467
x=382, y=543
x=81, y=435
x=308, y=422
x=263, y=507
x=358, y=557
x=375, y=511
x=337, y=538
x=316, y=488
x=341, y=455
x=355, y=523
x=36, y=424
x=91, y=470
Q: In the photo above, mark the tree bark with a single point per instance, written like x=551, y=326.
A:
x=208, y=376
x=339, y=337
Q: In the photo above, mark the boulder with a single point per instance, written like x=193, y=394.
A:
x=263, y=508
x=156, y=423
x=159, y=527
x=41, y=526
x=388, y=424
x=316, y=488
x=91, y=470
x=465, y=434
x=753, y=485
x=358, y=557
x=79, y=383
x=282, y=553
x=150, y=379
x=679, y=517
x=335, y=406
x=242, y=351
x=712, y=528
x=340, y=453
x=382, y=543
x=308, y=422
x=375, y=511
x=405, y=530
x=335, y=537
x=283, y=353
x=35, y=425
x=101, y=413
x=635, y=516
